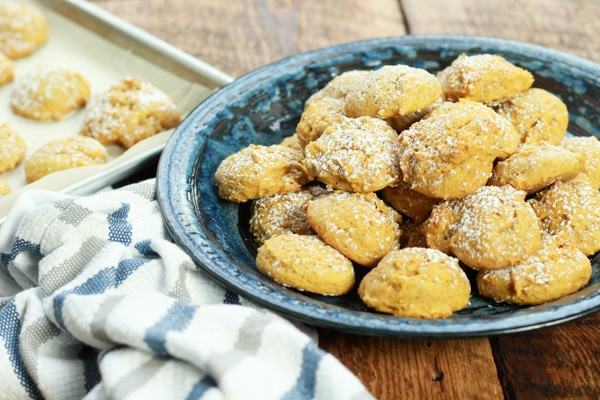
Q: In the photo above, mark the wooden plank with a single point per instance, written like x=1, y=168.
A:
x=238, y=36
x=570, y=26
x=418, y=369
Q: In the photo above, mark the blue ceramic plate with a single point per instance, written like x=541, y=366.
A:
x=265, y=105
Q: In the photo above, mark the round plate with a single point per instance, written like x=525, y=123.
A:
x=265, y=105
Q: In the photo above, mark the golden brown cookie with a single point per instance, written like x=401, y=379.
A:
x=572, y=210
x=355, y=154
x=317, y=116
x=537, y=114
x=359, y=225
x=282, y=213
x=416, y=283
x=305, y=263
x=403, y=122
x=49, y=93
x=587, y=147
x=557, y=269
x=483, y=77
x=12, y=147
x=339, y=86
x=258, y=171
x=7, y=69
x=490, y=229
x=65, y=153
x=23, y=29
x=408, y=202
x=128, y=112
x=4, y=187
x=536, y=166
x=450, y=153
x=392, y=90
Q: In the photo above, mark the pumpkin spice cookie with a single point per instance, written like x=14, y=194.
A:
x=490, y=229
x=557, y=269
x=282, y=213
x=408, y=202
x=355, y=154
x=450, y=153
x=7, y=69
x=65, y=153
x=587, y=147
x=259, y=171
x=12, y=147
x=484, y=78
x=359, y=225
x=128, y=112
x=317, y=117
x=23, y=29
x=571, y=210
x=535, y=166
x=537, y=114
x=416, y=283
x=305, y=263
x=391, y=91
x=339, y=86
x=49, y=93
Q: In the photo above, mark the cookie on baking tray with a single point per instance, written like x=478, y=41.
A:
x=49, y=93
x=416, y=283
x=12, y=147
x=450, y=153
x=258, y=171
x=282, y=213
x=128, y=112
x=535, y=166
x=355, y=154
x=570, y=209
x=7, y=69
x=490, y=229
x=484, y=78
x=391, y=91
x=65, y=153
x=587, y=147
x=557, y=269
x=306, y=263
x=537, y=114
x=24, y=29
x=359, y=225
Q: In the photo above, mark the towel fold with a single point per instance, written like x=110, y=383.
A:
x=98, y=302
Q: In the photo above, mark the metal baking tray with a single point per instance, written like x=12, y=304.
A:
x=103, y=48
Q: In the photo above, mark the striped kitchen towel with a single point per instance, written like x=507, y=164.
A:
x=97, y=302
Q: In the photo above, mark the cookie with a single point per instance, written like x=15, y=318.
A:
x=259, y=171
x=305, y=263
x=571, y=210
x=587, y=147
x=557, y=269
x=23, y=29
x=12, y=147
x=408, y=202
x=317, y=116
x=339, y=86
x=7, y=69
x=416, y=283
x=128, y=112
x=391, y=91
x=537, y=114
x=49, y=93
x=62, y=154
x=484, y=78
x=355, y=154
x=359, y=225
x=535, y=166
x=490, y=229
x=450, y=153
x=282, y=213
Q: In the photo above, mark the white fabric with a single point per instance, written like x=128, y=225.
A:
x=99, y=303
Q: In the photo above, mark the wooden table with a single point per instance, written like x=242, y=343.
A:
x=235, y=36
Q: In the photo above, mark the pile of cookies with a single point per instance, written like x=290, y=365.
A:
x=128, y=112
x=421, y=178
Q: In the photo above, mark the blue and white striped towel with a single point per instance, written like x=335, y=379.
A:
x=98, y=302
